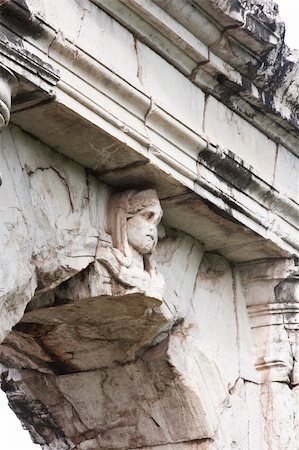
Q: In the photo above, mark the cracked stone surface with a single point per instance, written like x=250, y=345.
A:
x=133, y=391
x=145, y=356
x=45, y=242
x=148, y=204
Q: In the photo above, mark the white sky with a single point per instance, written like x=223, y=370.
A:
x=289, y=12
x=12, y=435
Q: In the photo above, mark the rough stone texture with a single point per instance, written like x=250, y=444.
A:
x=123, y=111
x=240, y=137
x=45, y=242
x=277, y=73
x=186, y=373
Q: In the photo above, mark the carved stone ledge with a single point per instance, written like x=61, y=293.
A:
x=8, y=84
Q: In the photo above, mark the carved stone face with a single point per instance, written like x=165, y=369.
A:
x=142, y=229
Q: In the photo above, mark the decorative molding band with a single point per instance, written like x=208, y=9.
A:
x=103, y=113
x=276, y=270
x=244, y=177
x=243, y=183
x=199, y=164
x=188, y=153
x=274, y=314
x=201, y=47
x=27, y=65
x=131, y=116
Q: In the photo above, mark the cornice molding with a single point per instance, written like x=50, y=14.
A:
x=274, y=314
x=243, y=181
x=134, y=118
x=220, y=53
x=84, y=87
x=24, y=64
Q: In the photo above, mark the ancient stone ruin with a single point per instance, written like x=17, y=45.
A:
x=149, y=224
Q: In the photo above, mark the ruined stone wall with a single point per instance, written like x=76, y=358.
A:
x=175, y=392
x=126, y=372
x=149, y=225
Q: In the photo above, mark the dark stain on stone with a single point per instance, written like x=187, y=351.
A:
x=228, y=89
x=260, y=16
x=17, y=22
x=7, y=385
x=294, y=118
x=39, y=331
x=34, y=329
x=290, y=316
x=246, y=83
x=16, y=15
x=36, y=418
x=226, y=214
x=234, y=5
x=285, y=291
x=33, y=414
x=281, y=67
x=28, y=100
x=259, y=29
x=228, y=169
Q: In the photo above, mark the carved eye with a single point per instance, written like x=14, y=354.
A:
x=148, y=215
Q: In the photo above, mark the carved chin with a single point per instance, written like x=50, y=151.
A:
x=143, y=247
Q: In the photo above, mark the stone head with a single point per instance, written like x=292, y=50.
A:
x=133, y=217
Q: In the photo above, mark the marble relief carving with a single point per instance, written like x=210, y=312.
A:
x=132, y=220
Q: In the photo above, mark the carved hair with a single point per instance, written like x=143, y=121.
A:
x=121, y=207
